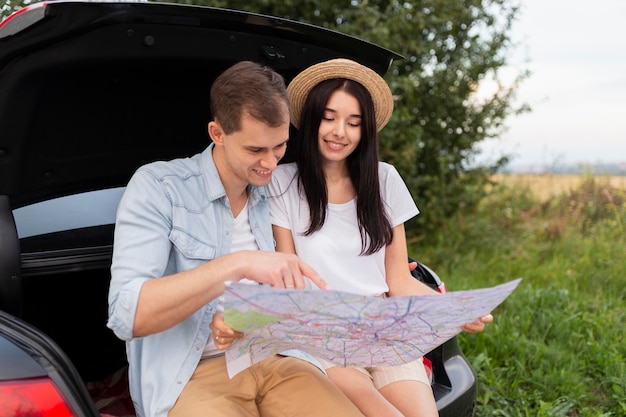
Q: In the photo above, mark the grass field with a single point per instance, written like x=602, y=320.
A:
x=556, y=347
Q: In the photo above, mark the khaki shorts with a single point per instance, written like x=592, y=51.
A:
x=278, y=386
x=385, y=375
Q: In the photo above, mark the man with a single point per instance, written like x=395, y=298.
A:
x=185, y=227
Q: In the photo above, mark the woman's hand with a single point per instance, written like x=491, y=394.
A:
x=222, y=334
x=478, y=325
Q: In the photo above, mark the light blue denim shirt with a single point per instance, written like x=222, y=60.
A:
x=173, y=216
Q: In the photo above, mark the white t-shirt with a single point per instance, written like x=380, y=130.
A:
x=334, y=250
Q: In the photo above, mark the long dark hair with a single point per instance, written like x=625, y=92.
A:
x=374, y=225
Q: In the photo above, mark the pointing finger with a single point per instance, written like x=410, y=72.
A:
x=310, y=273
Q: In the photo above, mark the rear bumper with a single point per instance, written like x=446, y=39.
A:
x=455, y=384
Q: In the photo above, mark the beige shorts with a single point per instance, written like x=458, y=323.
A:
x=275, y=387
x=385, y=375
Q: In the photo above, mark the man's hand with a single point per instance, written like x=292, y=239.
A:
x=478, y=325
x=222, y=334
x=280, y=270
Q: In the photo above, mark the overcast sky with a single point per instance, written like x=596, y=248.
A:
x=576, y=51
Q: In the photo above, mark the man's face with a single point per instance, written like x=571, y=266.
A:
x=251, y=154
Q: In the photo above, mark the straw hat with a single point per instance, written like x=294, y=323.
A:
x=300, y=87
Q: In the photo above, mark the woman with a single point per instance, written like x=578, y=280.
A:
x=343, y=212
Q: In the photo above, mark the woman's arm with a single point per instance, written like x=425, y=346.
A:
x=284, y=240
x=399, y=278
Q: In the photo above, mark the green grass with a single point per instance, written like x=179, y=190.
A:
x=556, y=346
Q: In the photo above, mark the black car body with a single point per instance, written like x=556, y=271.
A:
x=89, y=91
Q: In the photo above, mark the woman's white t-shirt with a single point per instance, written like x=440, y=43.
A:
x=334, y=250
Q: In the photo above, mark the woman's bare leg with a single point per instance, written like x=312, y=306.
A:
x=360, y=389
x=412, y=398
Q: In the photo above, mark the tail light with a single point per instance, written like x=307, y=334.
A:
x=32, y=397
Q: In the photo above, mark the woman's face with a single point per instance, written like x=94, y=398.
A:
x=340, y=129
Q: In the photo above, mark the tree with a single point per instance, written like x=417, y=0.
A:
x=9, y=6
